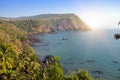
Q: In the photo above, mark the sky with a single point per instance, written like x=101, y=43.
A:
x=95, y=13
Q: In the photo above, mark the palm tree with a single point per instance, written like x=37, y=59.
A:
x=6, y=52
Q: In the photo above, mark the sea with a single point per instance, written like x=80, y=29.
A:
x=96, y=51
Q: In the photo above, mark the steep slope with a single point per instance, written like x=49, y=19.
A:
x=49, y=23
x=18, y=61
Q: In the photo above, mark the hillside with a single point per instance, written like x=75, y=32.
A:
x=49, y=23
x=18, y=61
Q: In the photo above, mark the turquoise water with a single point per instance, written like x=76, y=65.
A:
x=91, y=50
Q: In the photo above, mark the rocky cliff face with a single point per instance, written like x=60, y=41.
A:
x=49, y=23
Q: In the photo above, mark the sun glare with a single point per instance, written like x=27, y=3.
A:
x=93, y=23
x=93, y=20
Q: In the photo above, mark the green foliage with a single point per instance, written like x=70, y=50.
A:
x=79, y=75
x=50, y=23
x=6, y=61
x=54, y=68
x=84, y=75
x=18, y=60
x=11, y=30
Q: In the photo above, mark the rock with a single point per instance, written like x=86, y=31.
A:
x=82, y=63
x=59, y=43
x=117, y=36
x=32, y=39
x=116, y=62
x=90, y=61
x=100, y=72
x=48, y=59
x=71, y=63
x=64, y=38
x=97, y=71
x=44, y=44
x=118, y=69
x=119, y=77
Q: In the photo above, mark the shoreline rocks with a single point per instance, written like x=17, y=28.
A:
x=90, y=61
x=116, y=62
x=31, y=39
x=98, y=71
x=64, y=38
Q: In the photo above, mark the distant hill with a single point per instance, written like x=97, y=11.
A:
x=49, y=23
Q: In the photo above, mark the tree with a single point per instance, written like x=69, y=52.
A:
x=54, y=69
x=83, y=75
x=6, y=52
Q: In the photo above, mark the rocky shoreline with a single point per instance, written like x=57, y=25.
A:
x=31, y=39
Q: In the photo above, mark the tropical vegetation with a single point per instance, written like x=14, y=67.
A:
x=18, y=60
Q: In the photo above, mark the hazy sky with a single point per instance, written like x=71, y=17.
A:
x=99, y=13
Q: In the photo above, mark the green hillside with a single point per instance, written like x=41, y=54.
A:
x=49, y=23
x=18, y=60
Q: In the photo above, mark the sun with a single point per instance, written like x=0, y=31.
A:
x=93, y=20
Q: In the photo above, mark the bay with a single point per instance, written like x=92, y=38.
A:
x=97, y=51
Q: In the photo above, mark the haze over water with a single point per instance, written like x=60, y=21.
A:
x=92, y=50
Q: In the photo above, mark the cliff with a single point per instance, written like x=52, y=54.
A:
x=49, y=23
